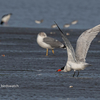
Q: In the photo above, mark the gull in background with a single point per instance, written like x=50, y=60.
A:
x=53, y=26
x=77, y=60
x=48, y=43
x=67, y=25
x=5, y=18
x=39, y=21
x=74, y=22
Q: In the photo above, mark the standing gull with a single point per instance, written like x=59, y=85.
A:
x=76, y=60
x=5, y=18
x=48, y=43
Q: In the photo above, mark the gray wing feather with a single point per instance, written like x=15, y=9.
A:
x=53, y=42
x=84, y=41
x=70, y=50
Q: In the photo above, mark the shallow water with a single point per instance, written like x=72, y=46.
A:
x=34, y=74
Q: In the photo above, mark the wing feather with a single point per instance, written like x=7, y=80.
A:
x=84, y=41
x=70, y=50
x=53, y=42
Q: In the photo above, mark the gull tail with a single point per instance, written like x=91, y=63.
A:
x=87, y=64
x=1, y=22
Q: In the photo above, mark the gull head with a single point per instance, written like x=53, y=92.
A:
x=59, y=70
x=10, y=14
x=42, y=34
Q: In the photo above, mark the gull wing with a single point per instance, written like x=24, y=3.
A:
x=84, y=41
x=70, y=50
x=6, y=15
x=52, y=42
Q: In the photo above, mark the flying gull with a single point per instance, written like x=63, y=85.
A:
x=77, y=59
x=5, y=18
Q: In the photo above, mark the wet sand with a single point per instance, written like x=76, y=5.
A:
x=34, y=74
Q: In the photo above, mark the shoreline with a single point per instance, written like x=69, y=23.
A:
x=26, y=30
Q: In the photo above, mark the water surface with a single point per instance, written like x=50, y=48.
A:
x=26, y=65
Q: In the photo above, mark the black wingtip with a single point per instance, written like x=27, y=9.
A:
x=1, y=22
x=64, y=47
x=10, y=14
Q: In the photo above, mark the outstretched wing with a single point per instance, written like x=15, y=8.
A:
x=84, y=41
x=70, y=50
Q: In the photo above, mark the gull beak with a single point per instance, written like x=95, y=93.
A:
x=58, y=70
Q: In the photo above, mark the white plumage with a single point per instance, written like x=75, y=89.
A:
x=76, y=60
x=48, y=43
x=5, y=18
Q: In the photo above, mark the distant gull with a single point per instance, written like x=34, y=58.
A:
x=52, y=33
x=67, y=25
x=76, y=60
x=67, y=33
x=39, y=21
x=74, y=22
x=70, y=86
x=48, y=43
x=5, y=18
x=54, y=26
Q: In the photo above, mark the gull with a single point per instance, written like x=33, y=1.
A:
x=54, y=26
x=74, y=22
x=39, y=21
x=5, y=18
x=67, y=25
x=48, y=43
x=77, y=59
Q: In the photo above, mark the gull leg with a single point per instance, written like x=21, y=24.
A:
x=47, y=52
x=74, y=74
x=52, y=51
x=78, y=74
x=6, y=23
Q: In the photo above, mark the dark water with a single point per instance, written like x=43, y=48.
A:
x=25, y=12
x=26, y=66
